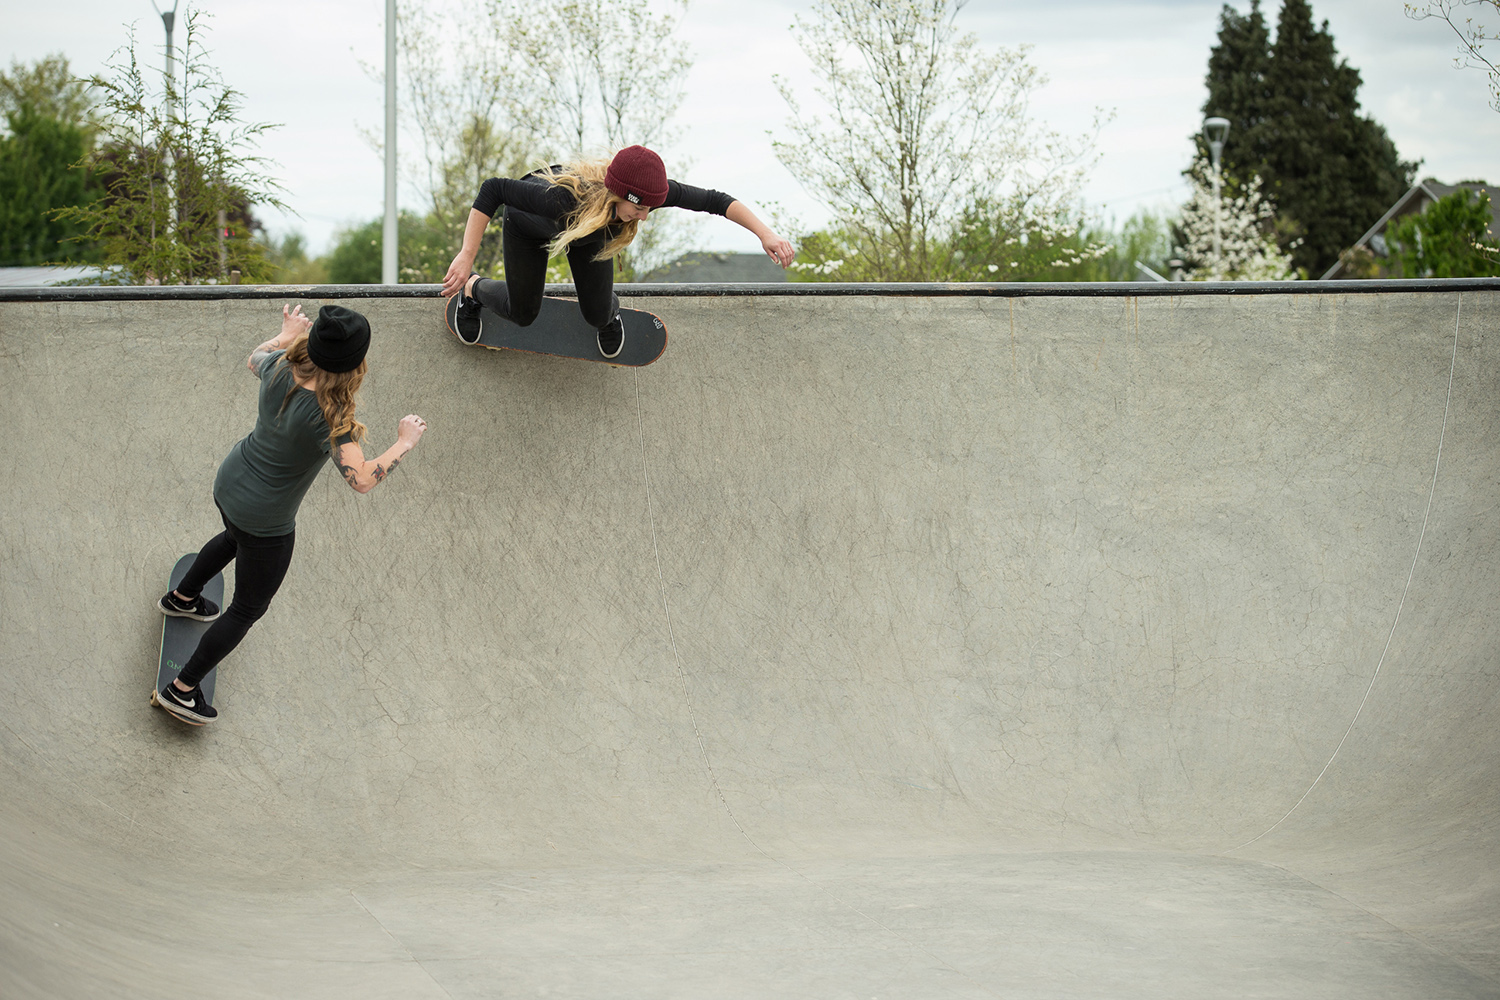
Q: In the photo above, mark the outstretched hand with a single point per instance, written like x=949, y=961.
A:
x=778, y=249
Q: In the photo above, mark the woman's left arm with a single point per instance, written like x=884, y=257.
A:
x=776, y=248
x=294, y=323
x=364, y=474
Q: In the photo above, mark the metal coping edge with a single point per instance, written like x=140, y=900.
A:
x=1101, y=289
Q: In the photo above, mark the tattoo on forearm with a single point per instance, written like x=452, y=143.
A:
x=381, y=473
x=351, y=474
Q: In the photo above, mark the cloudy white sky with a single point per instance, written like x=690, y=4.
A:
x=298, y=63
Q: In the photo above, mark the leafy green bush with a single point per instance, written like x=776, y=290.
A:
x=1445, y=241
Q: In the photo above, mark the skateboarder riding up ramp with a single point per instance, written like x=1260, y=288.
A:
x=309, y=375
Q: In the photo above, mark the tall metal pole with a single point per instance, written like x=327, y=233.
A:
x=169, y=70
x=1217, y=130
x=388, y=246
x=167, y=20
x=1218, y=217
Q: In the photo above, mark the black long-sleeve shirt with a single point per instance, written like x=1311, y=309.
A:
x=538, y=208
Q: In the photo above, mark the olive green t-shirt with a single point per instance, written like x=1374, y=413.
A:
x=262, y=481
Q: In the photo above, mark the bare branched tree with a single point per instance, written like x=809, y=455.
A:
x=1472, y=35
x=922, y=125
x=604, y=73
x=461, y=108
x=504, y=88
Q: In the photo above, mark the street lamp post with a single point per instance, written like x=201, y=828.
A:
x=168, y=19
x=1217, y=130
x=388, y=275
x=169, y=69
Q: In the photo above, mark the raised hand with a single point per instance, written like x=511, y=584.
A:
x=294, y=323
x=409, y=430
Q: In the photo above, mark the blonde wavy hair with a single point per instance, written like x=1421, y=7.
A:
x=585, y=179
x=335, y=392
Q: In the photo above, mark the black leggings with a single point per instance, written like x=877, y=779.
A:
x=519, y=297
x=260, y=565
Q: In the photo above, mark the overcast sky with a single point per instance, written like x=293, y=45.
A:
x=298, y=63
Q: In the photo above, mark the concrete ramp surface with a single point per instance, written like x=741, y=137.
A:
x=867, y=646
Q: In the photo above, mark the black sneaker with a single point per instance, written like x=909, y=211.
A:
x=189, y=706
x=612, y=337
x=469, y=319
x=199, y=607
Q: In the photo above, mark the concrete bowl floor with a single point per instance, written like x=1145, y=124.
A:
x=864, y=646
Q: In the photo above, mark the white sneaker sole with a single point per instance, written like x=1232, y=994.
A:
x=174, y=613
x=178, y=712
x=477, y=333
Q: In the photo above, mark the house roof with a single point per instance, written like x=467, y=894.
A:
x=700, y=268
x=1421, y=194
x=51, y=275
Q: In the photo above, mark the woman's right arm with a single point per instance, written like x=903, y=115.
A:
x=366, y=474
x=463, y=263
x=529, y=194
x=293, y=325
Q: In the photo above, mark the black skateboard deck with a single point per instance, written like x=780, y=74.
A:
x=179, y=636
x=559, y=330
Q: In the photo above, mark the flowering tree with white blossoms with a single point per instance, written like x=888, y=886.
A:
x=1246, y=221
x=1003, y=243
x=921, y=128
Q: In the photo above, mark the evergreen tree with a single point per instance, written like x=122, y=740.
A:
x=1295, y=121
x=48, y=88
x=49, y=125
x=1239, y=69
x=423, y=252
x=37, y=177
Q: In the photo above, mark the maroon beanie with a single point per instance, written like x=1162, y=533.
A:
x=638, y=175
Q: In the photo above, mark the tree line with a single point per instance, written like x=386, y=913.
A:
x=918, y=140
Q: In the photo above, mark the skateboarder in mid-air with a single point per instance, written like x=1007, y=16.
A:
x=590, y=211
x=308, y=375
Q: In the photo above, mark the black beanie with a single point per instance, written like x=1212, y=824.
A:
x=338, y=339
